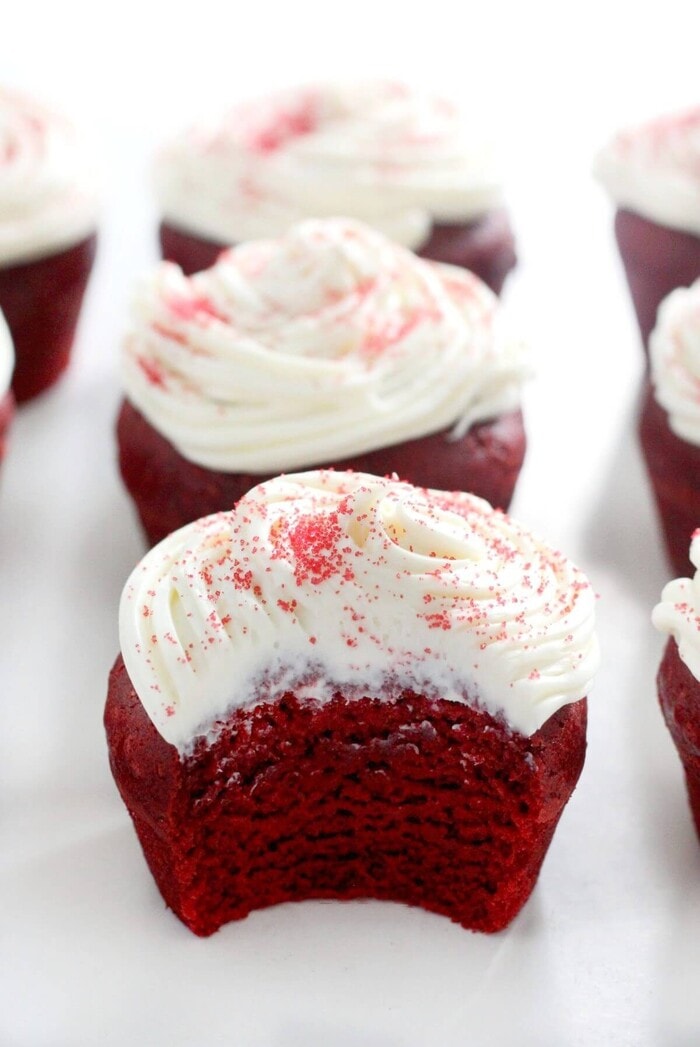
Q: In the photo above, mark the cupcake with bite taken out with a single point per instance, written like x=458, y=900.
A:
x=400, y=160
x=349, y=687
x=47, y=238
x=670, y=421
x=330, y=346
x=652, y=173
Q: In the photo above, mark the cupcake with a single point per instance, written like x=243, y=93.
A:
x=47, y=238
x=348, y=687
x=652, y=173
x=329, y=346
x=401, y=161
x=678, y=681
x=7, y=400
x=670, y=421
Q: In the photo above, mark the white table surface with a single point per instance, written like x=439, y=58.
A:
x=606, y=951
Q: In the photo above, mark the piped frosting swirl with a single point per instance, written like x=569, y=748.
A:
x=678, y=612
x=674, y=349
x=325, y=580
x=309, y=349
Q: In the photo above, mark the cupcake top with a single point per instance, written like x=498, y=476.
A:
x=327, y=580
x=678, y=613
x=674, y=350
x=654, y=170
x=47, y=194
x=326, y=343
x=377, y=151
x=7, y=356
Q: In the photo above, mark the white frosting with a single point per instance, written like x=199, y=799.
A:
x=325, y=580
x=376, y=151
x=674, y=349
x=47, y=195
x=326, y=343
x=654, y=170
x=7, y=356
x=678, y=613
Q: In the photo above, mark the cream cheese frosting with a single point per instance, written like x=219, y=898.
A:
x=654, y=170
x=315, y=347
x=678, y=613
x=377, y=151
x=327, y=580
x=47, y=190
x=674, y=350
x=7, y=356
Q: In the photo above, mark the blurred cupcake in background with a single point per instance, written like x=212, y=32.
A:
x=670, y=421
x=402, y=161
x=47, y=238
x=7, y=400
x=652, y=173
x=330, y=346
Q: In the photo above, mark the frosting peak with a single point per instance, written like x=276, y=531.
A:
x=323, y=344
x=47, y=195
x=375, y=150
x=678, y=613
x=325, y=580
x=674, y=349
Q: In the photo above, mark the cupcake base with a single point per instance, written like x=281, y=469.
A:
x=41, y=300
x=485, y=246
x=657, y=259
x=423, y=801
x=169, y=491
x=679, y=697
x=673, y=466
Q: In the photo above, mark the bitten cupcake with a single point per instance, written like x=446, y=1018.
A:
x=402, y=161
x=47, y=238
x=652, y=172
x=678, y=681
x=329, y=346
x=7, y=400
x=670, y=421
x=348, y=687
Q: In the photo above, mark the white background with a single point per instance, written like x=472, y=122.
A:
x=606, y=950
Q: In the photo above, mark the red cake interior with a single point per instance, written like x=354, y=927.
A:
x=679, y=697
x=170, y=491
x=485, y=246
x=423, y=801
x=41, y=300
x=657, y=260
x=674, y=470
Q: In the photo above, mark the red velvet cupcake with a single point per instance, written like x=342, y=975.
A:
x=329, y=346
x=47, y=239
x=670, y=421
x=397, y=159
x=652, y=173
x=347, y=688
x=678, y=614
x=7, y=400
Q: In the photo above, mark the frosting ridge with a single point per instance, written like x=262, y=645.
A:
x=678, y=612
x=674, y=350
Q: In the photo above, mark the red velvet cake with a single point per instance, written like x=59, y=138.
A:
x=678, y=614
x=47, y=239
x=346, y=688
x=399, y=160
x=652, y=173
x=670, y=421
x=329, y=346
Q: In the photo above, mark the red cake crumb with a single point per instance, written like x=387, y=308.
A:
x=679, y=697
x=170, y=491
x=424, y=801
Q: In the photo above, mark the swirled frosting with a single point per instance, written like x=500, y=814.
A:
x=305, y=350
x=327, y=580
x=678, y=613
x=376, y=151
x=674, y=349
x=47, y=195
x=654, y=170
x=7, y=356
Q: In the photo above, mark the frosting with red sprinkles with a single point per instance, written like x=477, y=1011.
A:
x=323, y=580
x=678, y=612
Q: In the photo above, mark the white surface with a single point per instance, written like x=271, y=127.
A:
x=606, y=951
